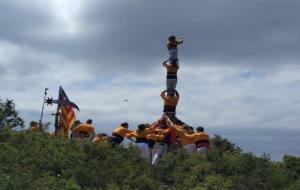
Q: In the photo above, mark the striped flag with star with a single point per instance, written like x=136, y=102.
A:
x=66, y=116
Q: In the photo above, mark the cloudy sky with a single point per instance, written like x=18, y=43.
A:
x=239, y=74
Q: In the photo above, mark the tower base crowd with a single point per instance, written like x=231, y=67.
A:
x=152, y=140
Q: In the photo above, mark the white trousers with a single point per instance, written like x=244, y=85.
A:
x=158, y=151
x=202, y=149
x=190, y=148
x=173, y=53
x=171, y=84
x=144, y=150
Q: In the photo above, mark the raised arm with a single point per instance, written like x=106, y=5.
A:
x=132, y=134
x=180, y=41
x=162, y=94
x=155, y=124
x=190, y=135
x=168, y=121
x=177, y=94
x=126, y=131
x=156, y=137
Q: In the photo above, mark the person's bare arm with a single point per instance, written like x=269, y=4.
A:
x=162, y=94
x=130, y=135
x=156, y=137
x=153, y=124
x=177, y=93
x=180, y=41
x=169, y=122
x=127, y=131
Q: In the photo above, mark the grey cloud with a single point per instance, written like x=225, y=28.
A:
x=20, y=20
x=132, y=34
x=216, y=31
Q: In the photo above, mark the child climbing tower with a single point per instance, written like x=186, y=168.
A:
x=172, y=48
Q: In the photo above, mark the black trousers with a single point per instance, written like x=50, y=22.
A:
x=174, y=119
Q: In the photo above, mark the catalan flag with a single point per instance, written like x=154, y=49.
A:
x=66, y=115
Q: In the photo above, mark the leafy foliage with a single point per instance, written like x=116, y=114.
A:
x=9, y=117
x=34, y=161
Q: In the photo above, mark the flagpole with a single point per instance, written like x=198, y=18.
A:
x=42, y=113
x=57, y=113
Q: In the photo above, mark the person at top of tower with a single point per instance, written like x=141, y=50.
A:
x=171, y=79
x=173, y=50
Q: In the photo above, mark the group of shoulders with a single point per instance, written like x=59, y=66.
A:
x=152, y=131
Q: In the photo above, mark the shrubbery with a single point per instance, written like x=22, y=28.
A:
x=35, y=161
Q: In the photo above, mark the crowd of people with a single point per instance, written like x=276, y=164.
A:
x=153, y=140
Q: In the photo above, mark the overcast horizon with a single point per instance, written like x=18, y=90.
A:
x=239, y=64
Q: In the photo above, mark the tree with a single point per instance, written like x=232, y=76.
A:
x=9, y=117
x=224, y=144
x=292, y=165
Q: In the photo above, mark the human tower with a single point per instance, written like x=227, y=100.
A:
x=171, y=95
x=166, y=134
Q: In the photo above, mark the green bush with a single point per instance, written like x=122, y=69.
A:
x=33, y=160
x=9, y=117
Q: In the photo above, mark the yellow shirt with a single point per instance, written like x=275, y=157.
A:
x=156, y=137
x=171, y=68
x=140, y=134
x=84, y=127
x=199, y=136
x=170, y=100
x=160, y=134
x=35, y=129
x=101, y=139
x=122, y=131
x=185, y=140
